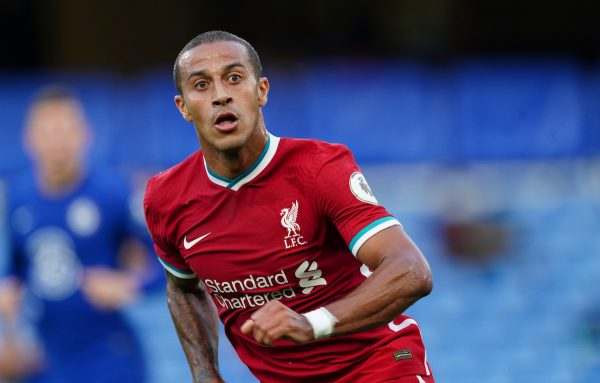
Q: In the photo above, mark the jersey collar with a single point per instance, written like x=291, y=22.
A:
x=252, y=172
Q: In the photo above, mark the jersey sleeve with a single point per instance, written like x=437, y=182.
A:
x=13, y=265
x=11, y=240
x=168, y=254
x=347, y=200
x=118, y=204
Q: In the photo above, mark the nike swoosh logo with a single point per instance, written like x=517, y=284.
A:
x=188, y=245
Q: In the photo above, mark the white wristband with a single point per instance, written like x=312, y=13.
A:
x=322, y=322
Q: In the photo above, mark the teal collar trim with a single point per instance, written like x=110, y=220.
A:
x=257, y=167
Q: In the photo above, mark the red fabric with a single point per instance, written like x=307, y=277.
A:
x=414, y=379
x=250, y=256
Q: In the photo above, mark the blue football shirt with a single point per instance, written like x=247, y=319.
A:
x=53, y=240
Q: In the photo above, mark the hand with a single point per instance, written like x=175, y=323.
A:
x=276, y=321
x=109, y=289
x=18, y=360
x=11, y=295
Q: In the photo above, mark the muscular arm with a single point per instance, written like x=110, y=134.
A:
x=195, y=320
x=401, y=276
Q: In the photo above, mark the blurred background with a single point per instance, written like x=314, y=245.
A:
x=477, y=123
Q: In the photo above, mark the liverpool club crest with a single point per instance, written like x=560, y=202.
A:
x=288, y=221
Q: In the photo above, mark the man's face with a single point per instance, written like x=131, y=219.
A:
x=221, y=95
x=56, y=134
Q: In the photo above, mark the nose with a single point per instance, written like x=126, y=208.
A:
x=221, y=97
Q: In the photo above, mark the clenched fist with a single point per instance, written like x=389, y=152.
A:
x=276, y=321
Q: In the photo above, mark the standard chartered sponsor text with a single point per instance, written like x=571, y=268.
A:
x=251, y=282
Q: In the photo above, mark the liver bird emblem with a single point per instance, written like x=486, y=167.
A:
x=288, y=220
x=365, y=186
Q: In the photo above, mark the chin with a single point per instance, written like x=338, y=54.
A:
x=230, y=143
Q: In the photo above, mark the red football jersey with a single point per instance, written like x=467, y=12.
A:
x=289, y=229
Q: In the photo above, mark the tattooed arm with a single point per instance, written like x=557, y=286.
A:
x=195, y=320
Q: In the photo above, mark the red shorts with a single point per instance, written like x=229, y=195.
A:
x=411, y=379
x=382, y=365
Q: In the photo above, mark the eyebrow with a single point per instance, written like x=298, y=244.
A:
x=226, y=68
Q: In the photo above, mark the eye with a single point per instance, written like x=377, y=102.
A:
x=202, y=84
x=235, y=77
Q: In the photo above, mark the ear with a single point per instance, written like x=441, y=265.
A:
x=263, y=91
x=180, y=103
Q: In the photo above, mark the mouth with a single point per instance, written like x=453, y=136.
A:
x=226, y=122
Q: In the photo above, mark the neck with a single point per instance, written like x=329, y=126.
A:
x=231, y=164
x=59, y=179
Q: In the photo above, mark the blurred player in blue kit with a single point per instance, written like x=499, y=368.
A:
x=77, y=258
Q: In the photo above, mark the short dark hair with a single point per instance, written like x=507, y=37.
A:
x=213, y=37
x=53, y=92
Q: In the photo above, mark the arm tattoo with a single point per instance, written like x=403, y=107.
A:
x=195, y=320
